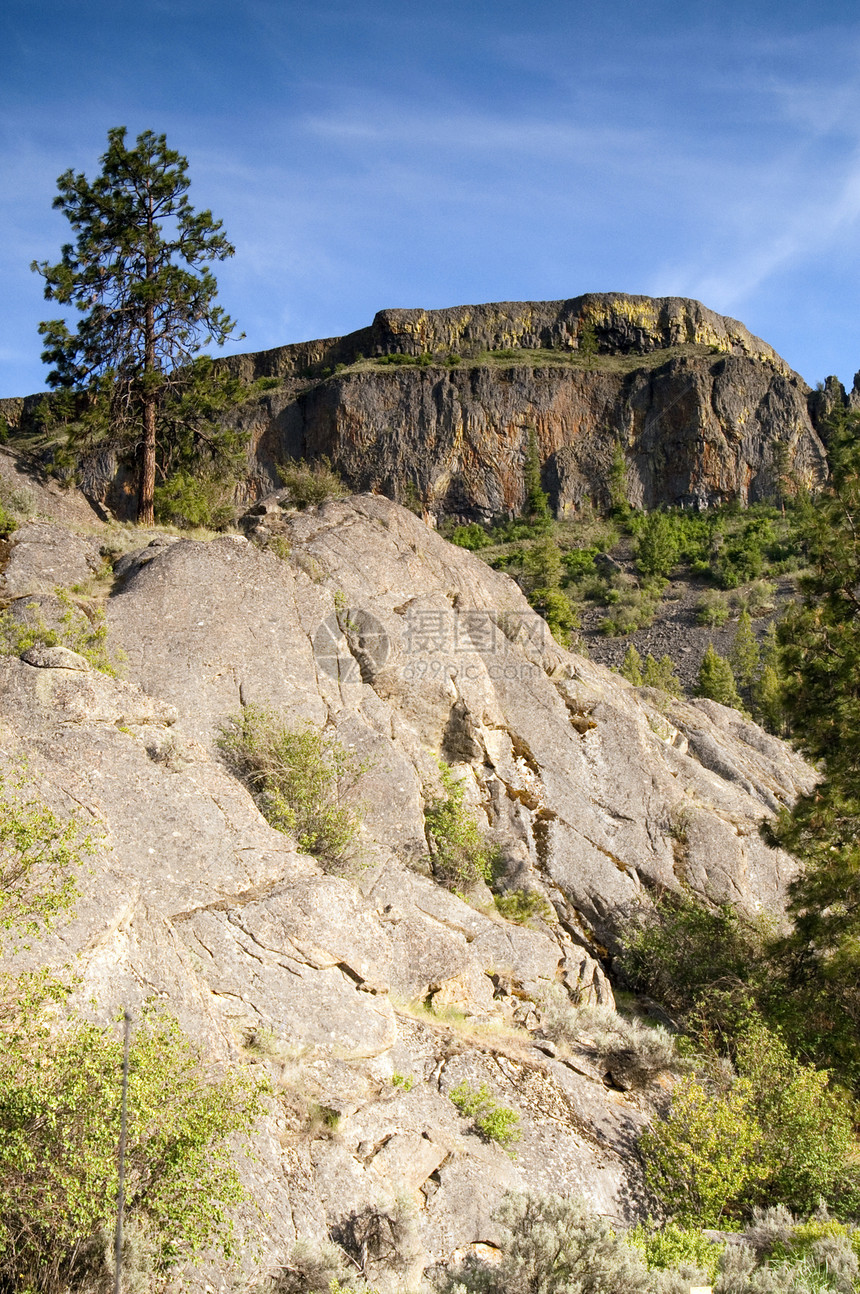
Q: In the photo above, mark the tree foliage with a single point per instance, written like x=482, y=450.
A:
x=776, y=1131
x=59, y=1129
x=40, y=859
x=716, y=680
x=138, y=274
x=819, y=641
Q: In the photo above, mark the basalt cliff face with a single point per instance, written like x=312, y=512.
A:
x=703, y=411
x=408, y=650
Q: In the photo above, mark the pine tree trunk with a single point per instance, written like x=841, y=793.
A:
x=146, y=485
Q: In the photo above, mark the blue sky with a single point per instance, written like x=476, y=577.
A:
x=365, y=155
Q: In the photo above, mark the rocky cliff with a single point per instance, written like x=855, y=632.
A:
x=704, y=412
x=437, y=408
x=407, y=650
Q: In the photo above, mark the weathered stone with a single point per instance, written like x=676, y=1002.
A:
x=44, y=556
x=406, y=648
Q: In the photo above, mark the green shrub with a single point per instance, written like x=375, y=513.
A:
x=777, y=1132
x=7, y=523
x=633, y=609
x=311, y=484
x=680, y=950
x=40, y=859
x=670, y=1245
x=300, y=776
x=703, y=1157
x=523, y=906
x=459, y=853
x=494, y=1122
x=83, y=633
x=472, y=537
x=712, y=609
x=192, y=500
x=59, y=1127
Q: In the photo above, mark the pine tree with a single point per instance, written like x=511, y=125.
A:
x=138, y=273
x=819, y=641
x=768, y=689
x=661, y=673
x=745, y=656
x=716, y=680
x=536, y=507
x=631, y=666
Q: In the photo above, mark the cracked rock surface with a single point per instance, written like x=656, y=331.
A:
x=371, y=995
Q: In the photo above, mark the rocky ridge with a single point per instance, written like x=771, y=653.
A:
x=408, y=650
x=704, y=411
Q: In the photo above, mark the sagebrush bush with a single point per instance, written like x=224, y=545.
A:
x=315, y=1269
x=645, y=1049
x=554, y=1245
x=300, y=776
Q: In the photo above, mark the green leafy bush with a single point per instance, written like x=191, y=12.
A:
x=311, y=484
x=472, y=537
x=775, y=1132
x=40, y=859
x=300, y=776
x=712, y=609
x=59, y=1127
x=459, y=853
x=670, y=1245
x=83, y=632
x=703, y=1158
x=522, y=906
x=192, y=500
x=493, y=1121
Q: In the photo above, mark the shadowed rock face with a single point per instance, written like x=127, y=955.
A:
x=695, y=431
x=406, y=647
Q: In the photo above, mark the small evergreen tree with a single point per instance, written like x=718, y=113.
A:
x=745, y=655
x=138, y=273
x=661, y=673
x=716, y=680
x=631, y=666
x=536, y=506
x=657, y=550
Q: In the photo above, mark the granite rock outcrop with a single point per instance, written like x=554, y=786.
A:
x=408, y=650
